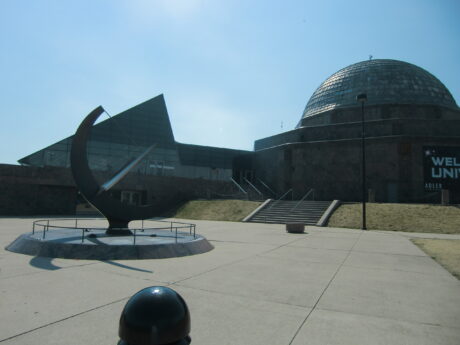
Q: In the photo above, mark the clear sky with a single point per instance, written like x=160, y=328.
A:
x=232, y=71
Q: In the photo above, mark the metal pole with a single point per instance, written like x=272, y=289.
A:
x=134, y=242
x=363, y=171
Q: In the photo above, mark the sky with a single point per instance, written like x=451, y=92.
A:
x=231, y=71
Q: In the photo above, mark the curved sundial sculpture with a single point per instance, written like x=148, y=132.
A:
x=118, y=213
x=57, y=239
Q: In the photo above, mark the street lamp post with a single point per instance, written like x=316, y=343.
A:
x=362, y=98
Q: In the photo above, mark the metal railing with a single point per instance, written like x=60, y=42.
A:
x=303, y=198
x=266, y=186
x=253, y=187
x=239, y=187
x=280, y=198
x=44, y=226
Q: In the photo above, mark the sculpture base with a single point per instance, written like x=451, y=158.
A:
x=93, y=245
x=118, y=232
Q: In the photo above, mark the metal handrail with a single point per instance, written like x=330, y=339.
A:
x=45, y=224
x=282, y=196
x=266, y=186
x=304, y=197
x=254, y=187
x=238, y=185
x=277, y=200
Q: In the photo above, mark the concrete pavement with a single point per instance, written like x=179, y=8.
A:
x=260, y=285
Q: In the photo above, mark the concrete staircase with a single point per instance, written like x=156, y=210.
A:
x=282, y=212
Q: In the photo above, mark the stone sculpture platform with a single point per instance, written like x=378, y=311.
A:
x=96, y=245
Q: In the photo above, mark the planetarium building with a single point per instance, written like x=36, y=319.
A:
x=411, y=127
x=408, y=125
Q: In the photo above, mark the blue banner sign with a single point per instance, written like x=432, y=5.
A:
x=441, y=166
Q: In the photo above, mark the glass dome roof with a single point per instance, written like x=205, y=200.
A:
x=384, y=82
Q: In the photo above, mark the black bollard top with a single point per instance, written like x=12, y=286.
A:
x=155, y=315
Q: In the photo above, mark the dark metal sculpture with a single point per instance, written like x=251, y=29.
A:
x=118, y=214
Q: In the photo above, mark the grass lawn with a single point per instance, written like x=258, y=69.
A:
x=225, y=210
x=399, y=217
x=445, y=252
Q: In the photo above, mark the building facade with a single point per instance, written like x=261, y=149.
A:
x=410, y=121
x=172, y=173
x=126, y=135
x=412, y=145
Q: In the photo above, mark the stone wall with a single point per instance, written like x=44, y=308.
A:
x=325, y=154
x=394, y=168
x=36, y=191
x=375, y=126
x=28, y=190
x=382, y=112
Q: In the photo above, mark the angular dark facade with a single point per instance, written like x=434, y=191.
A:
x=171, y=173
x=126, y=135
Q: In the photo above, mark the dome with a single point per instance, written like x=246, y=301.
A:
x=384, y=82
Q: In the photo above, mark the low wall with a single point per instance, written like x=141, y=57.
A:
x=28, y=190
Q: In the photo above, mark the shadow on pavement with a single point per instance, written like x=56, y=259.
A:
x=43, y=263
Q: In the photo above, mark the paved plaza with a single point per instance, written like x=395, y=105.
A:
x=258, y=286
